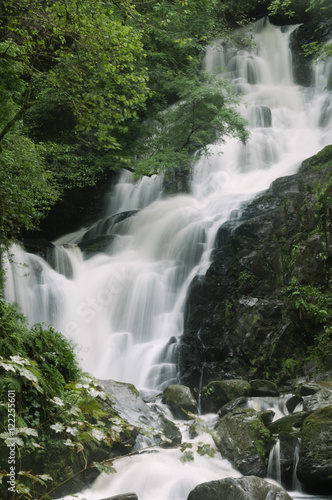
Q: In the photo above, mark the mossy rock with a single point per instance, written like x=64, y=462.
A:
x=218, y=393
x=290, y=424
x=315, y=463
x=243, y=439
x=321, y=160
x=180, y=400
x=244, y=488
x=263, y=388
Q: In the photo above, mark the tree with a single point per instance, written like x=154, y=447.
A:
x=86, y=52
x=204, y=114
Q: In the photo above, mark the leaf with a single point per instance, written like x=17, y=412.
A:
x=27, y=430
x=98, y=434
x=69, y=442
x=206, y=449
x=105, y=467
x=57, y=401
x=57, y=427
x=187, y=456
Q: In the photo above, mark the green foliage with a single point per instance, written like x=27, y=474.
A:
x=263, y=439
x=59, y=421
x=27, y=189
x=311, y=301
x=246, y=279
x=204, y=114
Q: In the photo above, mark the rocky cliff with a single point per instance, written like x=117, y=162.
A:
x=263, y=309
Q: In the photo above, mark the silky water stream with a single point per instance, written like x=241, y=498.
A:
x=124, y=307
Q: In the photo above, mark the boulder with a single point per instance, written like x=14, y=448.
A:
x=127, y=402
x=293, y=402
x=315, y=461
x=241, y=402
x=218, y=393
x=318, y=400
x=266, y=416
x=290, y=424
x=180, y=400
x=244, y=488
x=263, y=388
x=243, y=439
x=309, y=389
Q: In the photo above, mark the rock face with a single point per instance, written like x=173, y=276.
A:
x=260, y=306
x=244, y=488
x=242, y=438
x=315, y=463
x=305, y=34
x=318, y=400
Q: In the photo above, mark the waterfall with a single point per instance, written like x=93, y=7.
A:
x=274, y=468
x=296, y=484
x=130, y=298
x=124, y=307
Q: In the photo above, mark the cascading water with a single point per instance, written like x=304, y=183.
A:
x=124, y=307
x=274, y=468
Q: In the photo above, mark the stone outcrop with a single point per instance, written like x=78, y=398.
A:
x=244, y=488
x=241, y=437
x=264, y=302
x=315, y=463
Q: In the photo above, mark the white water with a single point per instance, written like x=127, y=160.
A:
x=124, y=308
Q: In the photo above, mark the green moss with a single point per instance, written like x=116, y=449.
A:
x=321, y=160
x=262, y=437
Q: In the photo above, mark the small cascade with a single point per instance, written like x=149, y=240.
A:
x=273, y=467
x=65, y=260
x=277, y=404
x=296, y=484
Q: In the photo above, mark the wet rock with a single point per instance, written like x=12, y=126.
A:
x=266, y=416
x=263, y=388
x=315, y=462
x=97, y=245
x=290, y=424
x=240, y=402
x=288, y=447
x=241, y=437
x=309, y=389
x=293, y=402
x=319, y=400
x=242, y=318
x=170, y=431
x=127, y=402
x=38, y=246
x=107, y=225
x=180, y=400
x=218, y=393
x=244, y=488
